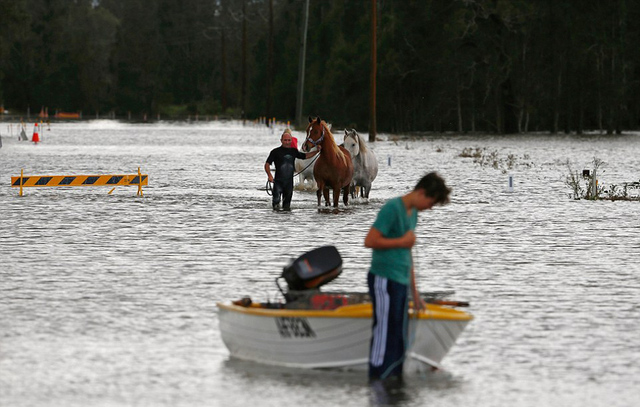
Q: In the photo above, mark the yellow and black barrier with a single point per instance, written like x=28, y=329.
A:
x=80, y=181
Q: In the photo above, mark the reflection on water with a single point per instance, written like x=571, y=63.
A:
x=329, y=387
x=110, y=299
x=389, y=393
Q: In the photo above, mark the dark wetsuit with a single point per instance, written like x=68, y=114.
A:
x=284, y=159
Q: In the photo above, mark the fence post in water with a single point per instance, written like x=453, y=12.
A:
x=139, y=183
x=510, y=185
x=594, y=186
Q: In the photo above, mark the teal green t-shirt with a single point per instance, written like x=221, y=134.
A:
x=392, y=222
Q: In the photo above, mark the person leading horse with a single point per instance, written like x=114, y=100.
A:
x=284, y=159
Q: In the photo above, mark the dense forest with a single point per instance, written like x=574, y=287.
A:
x=503, y=66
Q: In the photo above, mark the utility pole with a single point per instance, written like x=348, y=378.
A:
x=270, y=61
x=244, y=60
x=223, y=68
x=374, y=51
x=303, y=54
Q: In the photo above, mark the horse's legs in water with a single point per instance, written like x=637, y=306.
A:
x=320, y=191
x=336, y=196
x=345, y=194
x=357, y=191
x=325, y=191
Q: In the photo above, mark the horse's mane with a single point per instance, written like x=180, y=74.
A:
x=338, y=152
x=361, y=144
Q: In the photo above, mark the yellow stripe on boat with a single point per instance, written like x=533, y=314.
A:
x=432, y=311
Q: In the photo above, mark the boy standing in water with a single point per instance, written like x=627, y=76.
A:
x=391, y=274
x=284, y=157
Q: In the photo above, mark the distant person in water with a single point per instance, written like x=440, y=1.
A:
x=391, y=276
x=284, y=158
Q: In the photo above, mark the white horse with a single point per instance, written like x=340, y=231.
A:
x=365, y=163
x=304, y=169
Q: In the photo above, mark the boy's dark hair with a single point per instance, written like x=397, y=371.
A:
x=434, y=186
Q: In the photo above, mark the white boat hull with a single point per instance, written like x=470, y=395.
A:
x=331, y=339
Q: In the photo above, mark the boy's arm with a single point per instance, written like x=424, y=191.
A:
x=376, y=240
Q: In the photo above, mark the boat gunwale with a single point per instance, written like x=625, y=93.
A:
x=435, y=312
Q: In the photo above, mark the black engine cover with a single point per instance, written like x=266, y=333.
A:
x=313, y=269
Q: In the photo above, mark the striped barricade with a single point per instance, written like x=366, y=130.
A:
x=28, y=181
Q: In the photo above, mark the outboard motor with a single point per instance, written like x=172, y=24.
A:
x=312, y=270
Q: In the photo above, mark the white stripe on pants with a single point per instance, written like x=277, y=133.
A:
x=382, y=313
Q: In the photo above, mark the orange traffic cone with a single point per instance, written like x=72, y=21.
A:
x=36, y=136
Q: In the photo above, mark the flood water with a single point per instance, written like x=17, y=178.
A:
x=110, y=300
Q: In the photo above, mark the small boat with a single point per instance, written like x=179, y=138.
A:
x=317, y=329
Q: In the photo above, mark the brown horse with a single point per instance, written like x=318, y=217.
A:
x=334, y=168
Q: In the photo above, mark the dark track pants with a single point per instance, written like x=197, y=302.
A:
x=286, y=190
x=389, y=332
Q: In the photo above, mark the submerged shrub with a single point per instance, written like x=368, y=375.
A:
x=492, y=159
x=582, y=185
